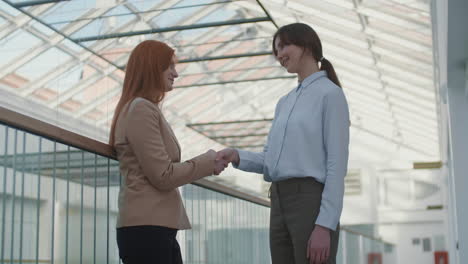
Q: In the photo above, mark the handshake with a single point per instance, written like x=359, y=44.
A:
x=222, y=158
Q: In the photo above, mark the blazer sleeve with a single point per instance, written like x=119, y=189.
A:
x=145, y=139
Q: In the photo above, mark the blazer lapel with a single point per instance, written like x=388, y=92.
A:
x=170, y=131
x=172, y=135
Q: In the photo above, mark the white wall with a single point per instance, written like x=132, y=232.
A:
x=403, y=235
x=396, y=203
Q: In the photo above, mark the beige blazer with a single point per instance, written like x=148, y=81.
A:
x=149, y=157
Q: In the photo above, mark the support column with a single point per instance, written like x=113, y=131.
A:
x=457, y=110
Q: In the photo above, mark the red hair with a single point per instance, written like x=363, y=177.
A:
x=144, y=76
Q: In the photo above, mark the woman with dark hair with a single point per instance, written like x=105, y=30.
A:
x=306, y=153
x=150, y=206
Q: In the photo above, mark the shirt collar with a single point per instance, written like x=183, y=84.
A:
x=310, y=79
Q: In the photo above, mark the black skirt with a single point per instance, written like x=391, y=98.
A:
x=148, y=245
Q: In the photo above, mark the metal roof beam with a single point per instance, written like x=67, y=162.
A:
x=239, y=136
x=267, y=13
x=84, y=55
x=63, y=35
x=236, y=81
x=77, y=57
x=230, y=122
x=235, y=56
x=135, y=11
x=170, y=29
x=232, y=70
x=247, y=146
x=37, y=2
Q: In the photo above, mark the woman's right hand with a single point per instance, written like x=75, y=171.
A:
x=229, y=155
x=219, y=165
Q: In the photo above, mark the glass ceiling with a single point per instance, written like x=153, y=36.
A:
x=63, y=62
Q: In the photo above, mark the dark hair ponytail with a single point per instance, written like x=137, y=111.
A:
x=304, y=36
x=325, y=65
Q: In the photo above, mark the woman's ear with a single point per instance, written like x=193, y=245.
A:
x=309, y=53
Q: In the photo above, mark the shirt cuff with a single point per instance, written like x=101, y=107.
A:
x=327, y=221
x=250, y=161
x=242, y=159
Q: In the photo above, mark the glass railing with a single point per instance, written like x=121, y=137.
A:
x=356, y=248
x=58, y=204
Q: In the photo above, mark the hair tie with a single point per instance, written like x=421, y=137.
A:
x=321, y=59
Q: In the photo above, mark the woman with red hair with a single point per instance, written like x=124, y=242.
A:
x=150, y=206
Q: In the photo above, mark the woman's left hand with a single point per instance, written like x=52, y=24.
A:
x=318, y=247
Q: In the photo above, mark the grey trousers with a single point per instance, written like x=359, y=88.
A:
x=295, y=204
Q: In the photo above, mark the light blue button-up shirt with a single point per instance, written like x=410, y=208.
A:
x=309, y=137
